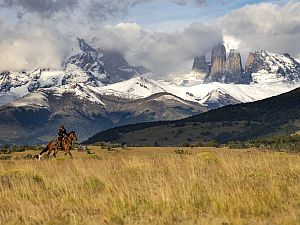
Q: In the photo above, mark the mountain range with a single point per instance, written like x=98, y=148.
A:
x=98, y=90
x=279, y=115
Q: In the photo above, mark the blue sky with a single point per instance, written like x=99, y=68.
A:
x=161, y=15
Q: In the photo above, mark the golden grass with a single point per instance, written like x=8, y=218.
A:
x=153, y=186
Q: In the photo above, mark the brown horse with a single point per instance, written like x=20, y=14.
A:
x=67, y=143
x=54, y=145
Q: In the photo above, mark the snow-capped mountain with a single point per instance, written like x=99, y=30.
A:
x=98, y=89
x=87, y=67
x=266, y=68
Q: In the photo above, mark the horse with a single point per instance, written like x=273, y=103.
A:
x=67, y=143
x=54, y=145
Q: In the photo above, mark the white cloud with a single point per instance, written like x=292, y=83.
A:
x=27, y=47
x=265, y=26
x=39, y=36
x=162, y=52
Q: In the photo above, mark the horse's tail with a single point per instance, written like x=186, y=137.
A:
x=42, y=152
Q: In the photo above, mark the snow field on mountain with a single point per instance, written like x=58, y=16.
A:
x=37, y=99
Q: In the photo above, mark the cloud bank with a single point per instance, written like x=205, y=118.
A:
x=41, y=37
x=265, y=26
x=162, y=52
x=26, y=47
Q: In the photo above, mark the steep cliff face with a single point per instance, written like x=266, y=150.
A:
x=200, y=65
x=254, y=63
x=234, y=72
x=218, y=60
x=228, y=70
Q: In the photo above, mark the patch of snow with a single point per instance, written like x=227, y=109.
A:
x=75, y=74
x=169, y=97
x=141, y=88
x=51, y=78
x=80, y=90
x=277, y=69
x=7, y=97
x=190, y=79
x=36, y=99
x=137, y=87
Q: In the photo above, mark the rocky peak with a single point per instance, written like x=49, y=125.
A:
x=86, y=67
x=200, y=65
x=264, y=62
x=87, y=48
x=218, y=59
x=250, y=61
x=224, y=70
x=254, y=63
x=5, y=81
x=234, y=72
x=115, y=63
x=234, y=62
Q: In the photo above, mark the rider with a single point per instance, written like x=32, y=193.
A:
x=61, y=134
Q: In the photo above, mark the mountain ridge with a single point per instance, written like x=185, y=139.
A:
x=274, y=115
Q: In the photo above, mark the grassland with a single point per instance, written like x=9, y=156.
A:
x=153, y=186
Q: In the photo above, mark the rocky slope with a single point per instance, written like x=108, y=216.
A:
x=200, y=65
x=265, y=67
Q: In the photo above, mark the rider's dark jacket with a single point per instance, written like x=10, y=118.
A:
x=62, y=132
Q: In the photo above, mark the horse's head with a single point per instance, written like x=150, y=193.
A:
x=73, y=136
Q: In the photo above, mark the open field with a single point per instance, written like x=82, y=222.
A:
x=153, y=186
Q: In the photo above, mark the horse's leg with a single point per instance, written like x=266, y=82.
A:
x=70, y=153
x=51, y=148
x=49, y=152
x=65, y=148
x=67, y=151
x=55, y=150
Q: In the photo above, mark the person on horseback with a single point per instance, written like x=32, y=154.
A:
x=61, y=134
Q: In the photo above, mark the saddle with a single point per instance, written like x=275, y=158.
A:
x=59, y=142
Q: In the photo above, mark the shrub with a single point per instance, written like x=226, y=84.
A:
x=200, y=144
x=5, y=157
x=186, y=144
x=213, y=143
x=181, y=152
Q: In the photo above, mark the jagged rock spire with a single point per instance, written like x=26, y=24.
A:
x=200, y=65
x=226, y=70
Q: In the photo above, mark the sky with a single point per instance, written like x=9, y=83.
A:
x=163, y=35
x=167, y=16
